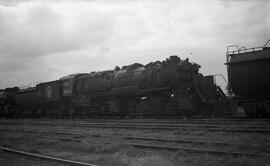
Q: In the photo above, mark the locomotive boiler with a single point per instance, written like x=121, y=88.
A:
x=169, y=88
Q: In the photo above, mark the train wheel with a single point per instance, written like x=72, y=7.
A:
x=70, y=112
x=132, y=108
x=7, y=110
x=268, y=113
x=123, y=109
x=261, y=113
x=39, y=113
x=3, y=112
x=18, y=112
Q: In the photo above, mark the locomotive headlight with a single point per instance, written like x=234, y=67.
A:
x=143, y=98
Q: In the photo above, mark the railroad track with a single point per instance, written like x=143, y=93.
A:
x=153, y=126
x=170, y=144
x=123, y=137
x=149, y=121
x=196, y=150
x=157, y=144
x=43, y=157
x=176, y=148
x=164, y=123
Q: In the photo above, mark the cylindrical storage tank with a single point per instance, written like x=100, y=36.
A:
x=249, y=73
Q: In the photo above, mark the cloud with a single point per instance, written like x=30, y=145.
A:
x=56, y=38
x=40, y=30
x=11, y=3
x=31, y=32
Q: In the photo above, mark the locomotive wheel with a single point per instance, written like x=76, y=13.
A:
x=143, y=107
x=132, y=108
x=39, y=113
x=70, y=113
x=123, y=108
x=7, y=110
x=261, y=113
x=18, y=112
x=2, y=112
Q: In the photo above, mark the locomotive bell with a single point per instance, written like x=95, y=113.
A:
x=175, y=58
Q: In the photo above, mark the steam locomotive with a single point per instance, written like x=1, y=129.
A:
x=168, y=88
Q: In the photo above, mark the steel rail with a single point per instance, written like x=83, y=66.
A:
x=206, y=123
x=153, y=127
x=176, y=148
x=246, y=129
x=159, y=124
x=149, y=120
x=43, y=157
x=44, y=132
x=150, y=139
x=125, y=137
x=180, y=121
x=196, y=150
x=243, y=126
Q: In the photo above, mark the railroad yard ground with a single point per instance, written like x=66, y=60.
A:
x=146, y=142
x=9, y=159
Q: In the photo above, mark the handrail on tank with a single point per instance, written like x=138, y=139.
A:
x=230, y=46
x=266, y=43
x=227, y=54
x=243, y=50
x=221, y=75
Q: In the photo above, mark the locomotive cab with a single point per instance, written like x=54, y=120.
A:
x=67, y=83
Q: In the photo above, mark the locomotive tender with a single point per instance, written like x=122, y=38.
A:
x=249, y=78
x=170, y=88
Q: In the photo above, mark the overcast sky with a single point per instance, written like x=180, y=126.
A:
x=45, y=40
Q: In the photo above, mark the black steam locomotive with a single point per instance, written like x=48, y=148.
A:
x=168, y=88
x=249, y=78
